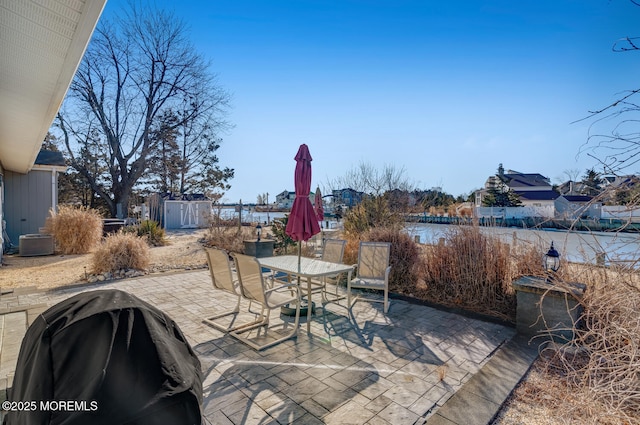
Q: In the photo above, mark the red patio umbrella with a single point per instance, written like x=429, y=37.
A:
x=318, y=205
x=303, y=222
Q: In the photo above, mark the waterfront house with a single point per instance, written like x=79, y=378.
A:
x=285, y=199
x=533, y=189
x=347, y=197
x=538, y=198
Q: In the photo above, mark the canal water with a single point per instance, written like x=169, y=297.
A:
x=581, y=247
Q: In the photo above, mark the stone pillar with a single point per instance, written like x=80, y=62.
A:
x=545, y=309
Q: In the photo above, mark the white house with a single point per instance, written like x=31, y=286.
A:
x=533, y=189
x=285, y=199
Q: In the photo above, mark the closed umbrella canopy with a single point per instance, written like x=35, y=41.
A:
x=318, y=205
x=303, y=222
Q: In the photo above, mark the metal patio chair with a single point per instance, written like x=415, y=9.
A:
x=222, y=279
x=333, y=252
x=372, y=271
x=255, y=287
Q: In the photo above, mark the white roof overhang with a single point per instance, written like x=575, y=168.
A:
x=41, y=46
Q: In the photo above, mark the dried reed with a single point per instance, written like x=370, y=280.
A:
x=475, y=271
x=76, y=230
x=229, y=238
x=120, y=251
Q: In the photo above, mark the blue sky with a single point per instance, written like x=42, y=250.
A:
x=446, y=90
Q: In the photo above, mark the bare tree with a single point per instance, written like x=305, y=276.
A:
x=373, y=181
x=135, y=68
x=183, y=158
x=616, y=148
x=572, y=174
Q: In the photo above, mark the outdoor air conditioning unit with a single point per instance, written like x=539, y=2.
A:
x=35, y=244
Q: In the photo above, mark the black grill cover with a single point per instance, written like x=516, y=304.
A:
x=115, y=350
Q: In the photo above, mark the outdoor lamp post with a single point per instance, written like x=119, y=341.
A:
x=551, y=262
x=259, y=231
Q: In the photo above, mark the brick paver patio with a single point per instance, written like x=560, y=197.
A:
x=356, y=367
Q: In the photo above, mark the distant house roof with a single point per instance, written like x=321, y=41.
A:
x=570, y=187
x=526, y=180
x=621, y=181
x=50, y=158
x=538, y=195
x=577, y=198
x=346, y=190
x=286, y=193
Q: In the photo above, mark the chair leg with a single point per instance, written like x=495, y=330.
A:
x=386, y=301
x=336, y=297
x=211, y=321
x=254, y=345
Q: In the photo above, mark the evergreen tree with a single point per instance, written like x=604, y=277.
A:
x=499, y=194
x=591, y=181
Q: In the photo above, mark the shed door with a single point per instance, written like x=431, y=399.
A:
x=188, y=215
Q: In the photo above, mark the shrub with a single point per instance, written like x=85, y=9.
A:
x=371, y=212
x=283, y=241
x=228, y=238
x=76, y=230
x=152, y=232
x=120, y=251
x=471, y=270
x=350, y=255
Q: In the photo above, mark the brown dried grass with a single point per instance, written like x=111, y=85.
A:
x=475, y=271
x=604, y=358
x=76, y=230
x=120, y=251
x=547, y=397
x=351, y=248
x=229, y=238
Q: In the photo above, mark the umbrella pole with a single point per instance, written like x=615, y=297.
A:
x=299, y=256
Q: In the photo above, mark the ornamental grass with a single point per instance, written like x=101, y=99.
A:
x=475, y=271
x=76, y=230
x=120, y=251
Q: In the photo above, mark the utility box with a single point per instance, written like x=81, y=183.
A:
x=259, y=248
x=32, y=245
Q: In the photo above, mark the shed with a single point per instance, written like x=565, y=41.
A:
x=190, y=212
x=29, y=197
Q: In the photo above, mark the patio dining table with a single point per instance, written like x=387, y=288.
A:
x=304, y=267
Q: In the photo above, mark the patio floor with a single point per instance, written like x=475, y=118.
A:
x=357, y=366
